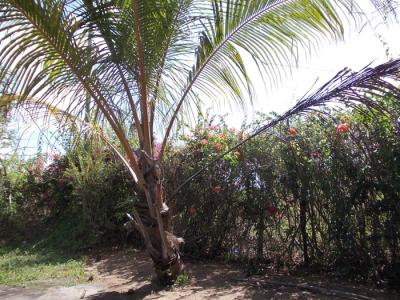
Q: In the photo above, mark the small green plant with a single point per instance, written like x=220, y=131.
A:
x=182, y=280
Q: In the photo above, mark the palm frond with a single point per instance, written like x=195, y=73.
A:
x=270, y=31
x=65, y=50
x=46, y=54
x=55, y=116
x=388, y=8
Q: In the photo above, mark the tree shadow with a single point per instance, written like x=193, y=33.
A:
x=140, y=293
x=130, y=274
x=134, y=272
x=128, y=266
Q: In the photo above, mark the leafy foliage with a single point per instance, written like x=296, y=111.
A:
x=76, y=200
x=322, y=196
x=321, y=190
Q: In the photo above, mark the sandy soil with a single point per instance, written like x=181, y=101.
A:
x=127, y=275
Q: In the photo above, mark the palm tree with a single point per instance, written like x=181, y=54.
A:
x=148, y=63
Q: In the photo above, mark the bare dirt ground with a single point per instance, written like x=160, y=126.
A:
x=127, y=275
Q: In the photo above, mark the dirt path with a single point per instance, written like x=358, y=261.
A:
x=58, y=292
x=127, y=276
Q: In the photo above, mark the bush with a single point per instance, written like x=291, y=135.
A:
x=320, y=192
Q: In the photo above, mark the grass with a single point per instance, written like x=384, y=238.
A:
x=21, y=265
x=48, y=257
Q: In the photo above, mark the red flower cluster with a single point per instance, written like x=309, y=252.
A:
x=197, y=152
x=157, y=151
x=216, y=189
x=39, y=166
x=271, y=209
x=218, y=147
x=53, y=168
x=204, y=142
x=192, y=210
x=292, y=131
x=342, y=128
x=56, y=156
x=316, y=154
x=213, y=127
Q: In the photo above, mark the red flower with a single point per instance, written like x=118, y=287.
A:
x=342, y=128
x=204, y=142
x=271, y=209
x=53, y=168
x=56, y=156
x=192, y=210
x=316, y=154
x=216, y=189
x=292, y=131
x=157, y=151
x=222, y=136
x=213, y=127
x=218, y=147
x=39, y=166
x=197, y=152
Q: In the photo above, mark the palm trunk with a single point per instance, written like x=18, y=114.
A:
x=163, y=245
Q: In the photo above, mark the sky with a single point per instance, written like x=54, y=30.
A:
x=375, y=43
x=359, y=48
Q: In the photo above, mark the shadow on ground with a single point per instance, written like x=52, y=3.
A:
x=127, y=275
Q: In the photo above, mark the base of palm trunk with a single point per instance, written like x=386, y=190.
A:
x=162, y=244
x=168, y=270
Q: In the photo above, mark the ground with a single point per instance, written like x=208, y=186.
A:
x=127, y=275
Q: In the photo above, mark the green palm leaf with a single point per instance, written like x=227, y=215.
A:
x=270, y=31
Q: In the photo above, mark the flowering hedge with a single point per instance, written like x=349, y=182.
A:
x=321, y=190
